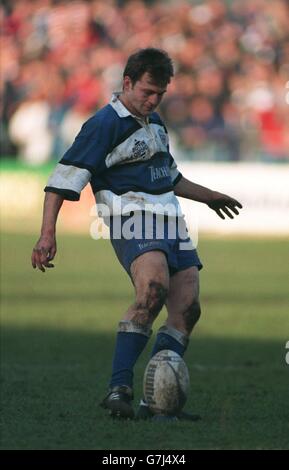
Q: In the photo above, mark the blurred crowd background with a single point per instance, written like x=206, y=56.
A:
x=229, y=100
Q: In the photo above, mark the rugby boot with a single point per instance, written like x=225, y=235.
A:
x=119, y=402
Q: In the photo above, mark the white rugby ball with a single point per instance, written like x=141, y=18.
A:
x=166, y=383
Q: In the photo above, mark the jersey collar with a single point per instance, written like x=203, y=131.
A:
x=120, y=109
x=117, y=105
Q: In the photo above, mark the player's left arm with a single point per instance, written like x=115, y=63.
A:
x=220, y=203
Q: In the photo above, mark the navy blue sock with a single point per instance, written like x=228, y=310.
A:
x=129, y=346
x=165, y=341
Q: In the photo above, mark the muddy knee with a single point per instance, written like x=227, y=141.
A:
x=191, y=315
x=150, y=304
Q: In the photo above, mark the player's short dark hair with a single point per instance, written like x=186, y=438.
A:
x=154, y=61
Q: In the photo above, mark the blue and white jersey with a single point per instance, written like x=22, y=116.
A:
x=125, y=159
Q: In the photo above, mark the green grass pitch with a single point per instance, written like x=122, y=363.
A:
x=57, y=338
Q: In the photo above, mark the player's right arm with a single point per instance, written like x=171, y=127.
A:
x=45, y=249
x=86, y=157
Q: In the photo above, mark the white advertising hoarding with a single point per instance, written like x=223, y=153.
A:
x=262, y=189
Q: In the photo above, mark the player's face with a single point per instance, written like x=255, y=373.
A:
x=143, y=97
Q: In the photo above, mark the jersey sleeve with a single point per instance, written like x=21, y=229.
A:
x=86, y=157
x=68, y=181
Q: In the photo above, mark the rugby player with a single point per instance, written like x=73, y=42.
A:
x=123, y=152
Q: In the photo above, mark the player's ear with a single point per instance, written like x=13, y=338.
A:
x=127, y=83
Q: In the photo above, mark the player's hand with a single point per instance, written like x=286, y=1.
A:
x=223, y=204
x=44, y=252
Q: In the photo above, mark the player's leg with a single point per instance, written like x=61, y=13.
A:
x=150, y=276
x=183, y=313
x=182, y=303
x=184, y=310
